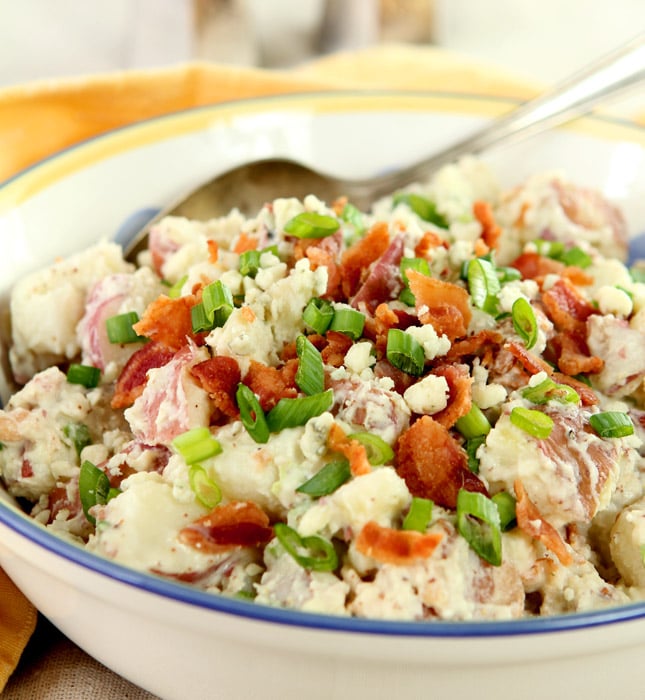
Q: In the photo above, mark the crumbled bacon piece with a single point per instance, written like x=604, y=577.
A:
x=399, y=547
x=491, y=231
x=134, y=374
x=358, y=257
x=565, y=306
x=352, y=450
x=573, y=354
x=270, y=383
x=219, y=376
x=483, y=344
x=229, y=526
x=429, y=241
x=244, y=243
x=433, y=464
x=530, y=521
x=213, y=250
x=460, y=398
x=443, y=304
x=531, y=362
x=324, y=252
x=383, y=281
x=336, y=347
x=168, y=321
x=587, y=395
x=534, y=266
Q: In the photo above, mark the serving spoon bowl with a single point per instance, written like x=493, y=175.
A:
x=249, y=186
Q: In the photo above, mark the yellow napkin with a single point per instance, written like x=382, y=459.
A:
x=40, y=118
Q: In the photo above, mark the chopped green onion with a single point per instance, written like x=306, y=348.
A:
x=79, y=434
x=474, y=423
x=318, y=315
x=310, y=376
x=533, y=422
x=174, y=292
x=422, y=207
x=483, y=284
x=249, y=263
x=309, y=224
x=348, y=321
x=612, y=424
x=575, y=256
x=549, y=249
x=548, y=390
x=86, y=375
x=352, y=215
x=313, y=552
x=218, y=303
x=508, y=274
x=119, y=328
x=196, y=444
x=472, y=445
x=206, y=491
x=404, y=352
x=419, y=514
x=506, y=507
x=251, y=414
x=478, y=522
x=290, y=413
x=93, y=487
x=524, y=321
x=199, y=319
x=327, y=480
x=378, y=451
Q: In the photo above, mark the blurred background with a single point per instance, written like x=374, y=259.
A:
x=540, y=39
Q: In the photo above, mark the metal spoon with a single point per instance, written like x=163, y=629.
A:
x=249, y=186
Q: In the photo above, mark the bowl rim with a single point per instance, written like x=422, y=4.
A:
x=36, y=533
x=22, y=525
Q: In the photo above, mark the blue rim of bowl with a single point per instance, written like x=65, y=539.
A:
x=36, y=533
x=22, y=525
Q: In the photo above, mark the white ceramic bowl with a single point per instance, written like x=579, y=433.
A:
x=181, y=643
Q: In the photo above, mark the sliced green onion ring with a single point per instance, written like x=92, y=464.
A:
x=174, y=291
x=313, y=552
x=422, y=207
x=575, y=256
x=309, y=224
x=196, y=445
x=291, y=413
x=318, y=315
x=548, y=390
x=505, y=503
x=119, y=328
x=310, y=375
x=478, y=522
x=217, y=300
x=249, y=263
x=352, y=215
x=378, y=451
x=251, y=414
x=419, y=515
x=472, y=445
x=525, y=322
x=86, y=375
x=93, y=487
x=483, y=285
x=405, y=352
x=79, y=434
x=533, y=422
x=206, y=491
x=612, y=424
x=199, y=319
x=348, y=321
x=474, y=423
x=327, y=480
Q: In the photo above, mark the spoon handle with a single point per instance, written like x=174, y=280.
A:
x=602, y=79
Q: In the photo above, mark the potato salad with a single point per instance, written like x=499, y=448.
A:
x=432, y=410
